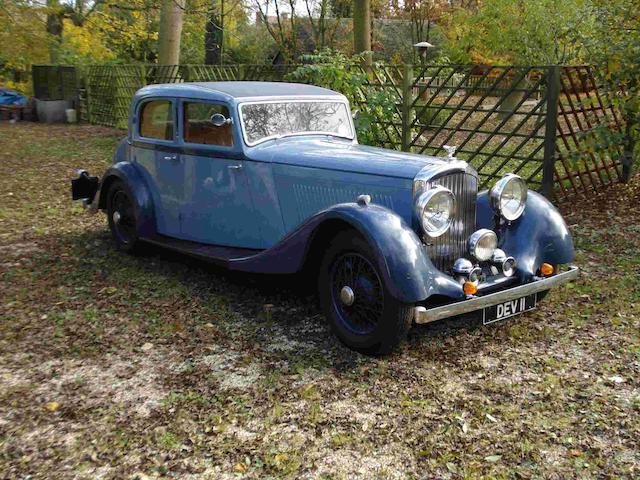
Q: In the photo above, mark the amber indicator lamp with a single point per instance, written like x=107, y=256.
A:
x=547, y=269
x=470, y=288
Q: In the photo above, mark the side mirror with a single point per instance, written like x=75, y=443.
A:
x=355, y=114
x=219, y=120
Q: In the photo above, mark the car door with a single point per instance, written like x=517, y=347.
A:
x=218, y=208
x=155, y=150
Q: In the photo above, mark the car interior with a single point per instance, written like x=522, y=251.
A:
x=199, y=129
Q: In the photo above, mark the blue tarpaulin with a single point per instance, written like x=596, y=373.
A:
x=11, y=97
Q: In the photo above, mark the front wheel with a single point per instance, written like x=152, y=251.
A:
x=122, y=218
x=360, y=310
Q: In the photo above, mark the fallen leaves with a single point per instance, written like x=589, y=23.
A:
x=493, y=458
x=617, y=379
x=541, y=395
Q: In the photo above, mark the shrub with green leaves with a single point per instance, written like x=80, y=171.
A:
x=349, y=76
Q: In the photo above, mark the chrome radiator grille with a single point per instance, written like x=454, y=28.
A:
x=444, y=250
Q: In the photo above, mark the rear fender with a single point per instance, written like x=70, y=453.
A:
x=128, y=173
x=408, y=272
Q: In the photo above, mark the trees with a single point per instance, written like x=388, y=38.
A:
x=217, y=14
x=298, y=26
x=362, y=27
x=523, y=32
x=280, y=20
x=614, y=46
x=169, y=35
x=322, y=23
x=423, y=15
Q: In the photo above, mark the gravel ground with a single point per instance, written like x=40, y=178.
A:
x=157, y=366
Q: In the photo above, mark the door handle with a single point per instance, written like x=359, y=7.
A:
x=170, y=157
x=234, y=167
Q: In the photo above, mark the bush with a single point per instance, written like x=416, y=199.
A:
x=377, y=106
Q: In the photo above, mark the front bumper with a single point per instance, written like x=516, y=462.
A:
x=422, y=315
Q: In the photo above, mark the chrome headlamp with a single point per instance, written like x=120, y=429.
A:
x=482, y=244
x=508, y=196
x=434, y=208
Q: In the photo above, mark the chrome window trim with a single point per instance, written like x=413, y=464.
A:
x=299, y=99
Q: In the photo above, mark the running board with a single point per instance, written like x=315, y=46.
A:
x=217, y=254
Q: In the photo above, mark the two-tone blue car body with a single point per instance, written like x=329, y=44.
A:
x=269, y=177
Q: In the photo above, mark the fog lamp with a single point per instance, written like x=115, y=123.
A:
x=482, y=243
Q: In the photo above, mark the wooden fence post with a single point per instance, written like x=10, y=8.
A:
x=407, y=99
x=550, y=133
x=87, y=93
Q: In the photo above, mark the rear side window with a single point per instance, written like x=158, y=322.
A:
x=199, y=129
x=156, y=120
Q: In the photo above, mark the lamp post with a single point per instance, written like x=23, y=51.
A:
x=423, y=48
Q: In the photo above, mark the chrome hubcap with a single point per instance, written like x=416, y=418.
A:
x=116, y=217
x=347, y=296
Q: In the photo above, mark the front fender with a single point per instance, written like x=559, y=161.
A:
x=408, y=272
x=539, y=235
x=128, y=173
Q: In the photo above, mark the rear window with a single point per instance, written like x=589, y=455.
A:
x=199, y=129
x=156, y=120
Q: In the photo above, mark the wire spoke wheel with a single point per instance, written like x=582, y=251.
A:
x=123, y=217
x=357, y=293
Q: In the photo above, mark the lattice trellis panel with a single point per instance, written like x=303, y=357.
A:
x=109, y=92
x=266, y=73
x=590, y=130
x=164, y=74
x=211, y=73
x=496, y=116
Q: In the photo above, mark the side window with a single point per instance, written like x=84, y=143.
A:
x=199, y=129
x=156, y=120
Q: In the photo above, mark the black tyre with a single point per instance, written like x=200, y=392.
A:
x=122, y=218
x=357, y=303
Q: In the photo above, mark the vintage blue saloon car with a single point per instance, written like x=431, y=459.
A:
x=269, y=177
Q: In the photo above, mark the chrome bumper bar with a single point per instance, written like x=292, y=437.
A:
x=422, y=315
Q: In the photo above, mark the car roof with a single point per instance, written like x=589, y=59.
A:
x=236, y=91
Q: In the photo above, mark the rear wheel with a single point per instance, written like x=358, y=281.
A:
x=122, y=219
x=360, y=310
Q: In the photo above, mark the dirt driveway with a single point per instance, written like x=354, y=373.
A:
x=114, y=366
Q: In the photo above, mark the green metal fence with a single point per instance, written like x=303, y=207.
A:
x=55, y=82
x=552, y=125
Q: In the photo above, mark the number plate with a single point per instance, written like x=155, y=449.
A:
x=508, y=309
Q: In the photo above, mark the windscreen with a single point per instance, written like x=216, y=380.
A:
x=273, y=119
